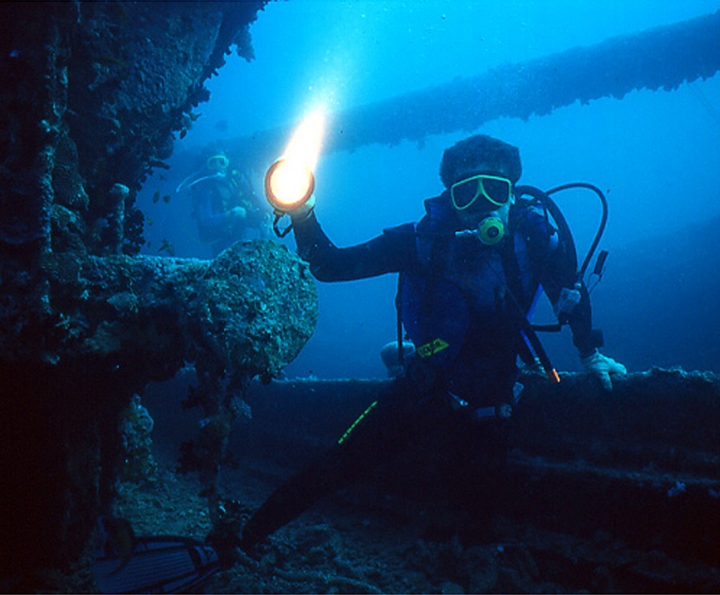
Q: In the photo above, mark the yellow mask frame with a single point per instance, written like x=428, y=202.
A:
x=499, y=194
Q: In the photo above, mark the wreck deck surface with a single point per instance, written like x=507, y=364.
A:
x=606, y=492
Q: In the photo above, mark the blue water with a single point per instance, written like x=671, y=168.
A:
x=656, y=154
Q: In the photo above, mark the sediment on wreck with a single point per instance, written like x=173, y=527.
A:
x=127, y=321
x=92, y=95
x=622, y=484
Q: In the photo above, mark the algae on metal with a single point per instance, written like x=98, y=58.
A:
x=93, y=95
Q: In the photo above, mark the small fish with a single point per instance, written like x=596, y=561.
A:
x=166, y=246
x=156, y=196
x=166, y=198
x=118, y=539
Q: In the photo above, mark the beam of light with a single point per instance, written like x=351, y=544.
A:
x=306, y=142
x=289, y=182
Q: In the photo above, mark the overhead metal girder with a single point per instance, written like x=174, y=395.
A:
x=659, y=58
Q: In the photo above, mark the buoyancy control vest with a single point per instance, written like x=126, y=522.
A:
x=465, y=304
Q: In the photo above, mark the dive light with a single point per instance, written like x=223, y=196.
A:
x=288, y=185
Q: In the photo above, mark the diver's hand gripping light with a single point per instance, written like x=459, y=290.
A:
x=288, y=187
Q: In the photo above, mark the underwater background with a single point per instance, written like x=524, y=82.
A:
x=654, y=153
x=146, y=395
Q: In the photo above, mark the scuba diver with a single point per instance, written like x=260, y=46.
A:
x=225, y=206
x=470, y=272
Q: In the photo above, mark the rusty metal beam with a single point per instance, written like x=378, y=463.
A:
x=659, y=58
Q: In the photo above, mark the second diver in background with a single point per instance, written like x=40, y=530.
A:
x=225, y=205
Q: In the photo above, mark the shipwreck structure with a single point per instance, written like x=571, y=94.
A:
x=92, y=97
x=660, y=58
x=93, y=94
x=603, y=492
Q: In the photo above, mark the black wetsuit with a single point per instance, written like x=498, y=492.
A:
x=469, y=283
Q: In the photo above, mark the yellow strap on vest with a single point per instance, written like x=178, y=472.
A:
x=431, y=348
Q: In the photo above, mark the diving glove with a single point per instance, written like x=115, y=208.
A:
x=602, y=366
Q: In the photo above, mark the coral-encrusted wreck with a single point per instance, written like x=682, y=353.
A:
x=91, y=96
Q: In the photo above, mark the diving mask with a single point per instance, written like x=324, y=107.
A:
x=217, y=162
x=493, y=191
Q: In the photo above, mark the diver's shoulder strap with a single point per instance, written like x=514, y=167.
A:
x=511, y=267
x=529, y=346
x=432, y=273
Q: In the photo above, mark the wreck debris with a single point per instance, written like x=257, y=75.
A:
x=136, y=425
x=92, y=94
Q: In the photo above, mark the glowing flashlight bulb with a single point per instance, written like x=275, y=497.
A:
x=288, y=184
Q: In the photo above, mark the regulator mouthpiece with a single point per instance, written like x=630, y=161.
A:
x=288, y=185
x=491, y=230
